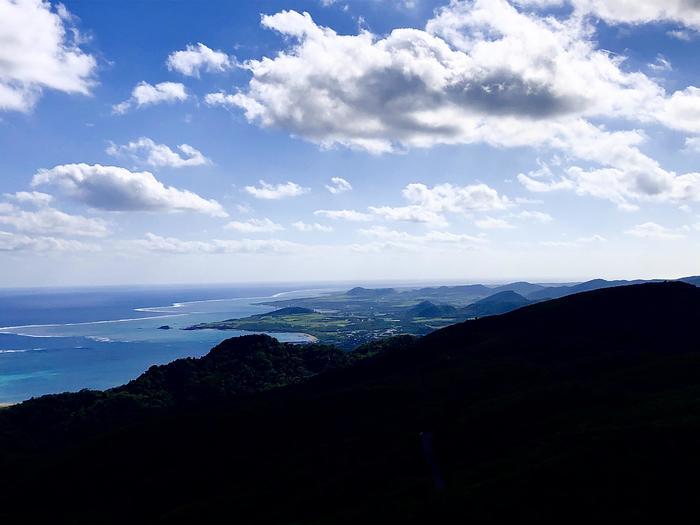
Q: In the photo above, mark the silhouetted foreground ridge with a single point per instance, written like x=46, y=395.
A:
x=584, y=409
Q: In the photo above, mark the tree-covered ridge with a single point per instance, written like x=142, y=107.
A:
x=584, y=409
x=241, y=365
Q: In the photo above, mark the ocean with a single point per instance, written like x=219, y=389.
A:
x=62, y=340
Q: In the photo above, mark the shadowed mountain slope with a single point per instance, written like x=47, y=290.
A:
x=554, y=292
x=584, y=409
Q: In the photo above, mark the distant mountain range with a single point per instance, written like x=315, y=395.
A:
x=582, y=409
x=460, y=295
x=362, y=315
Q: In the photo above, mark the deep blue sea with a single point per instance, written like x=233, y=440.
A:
x=58, y=340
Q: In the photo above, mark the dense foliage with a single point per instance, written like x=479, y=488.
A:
x=584, y=409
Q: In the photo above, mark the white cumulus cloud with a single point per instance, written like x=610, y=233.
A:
x=447, y=84
x=40, y=49
x=338, y=185
x=428, y=205
x=634, y=178
x=146, y=151
x=145, y=94
x=195, y=58
x=481, y=71
x=118, y=189
x=682, y=110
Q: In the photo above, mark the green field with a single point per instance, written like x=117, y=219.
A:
x=346, y=331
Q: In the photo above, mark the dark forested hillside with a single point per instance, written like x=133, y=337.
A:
x=584, y=409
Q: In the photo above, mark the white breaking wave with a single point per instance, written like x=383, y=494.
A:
x=99, y=339
x=182, y=305
x=11, y=329
x=274, y=296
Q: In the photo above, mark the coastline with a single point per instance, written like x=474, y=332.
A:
x=117, y=336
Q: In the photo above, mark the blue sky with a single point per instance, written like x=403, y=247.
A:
x=472, y=140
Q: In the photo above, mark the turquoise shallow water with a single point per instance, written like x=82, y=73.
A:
x=56, y=340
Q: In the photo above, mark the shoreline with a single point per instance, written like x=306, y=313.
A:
x=164, y=309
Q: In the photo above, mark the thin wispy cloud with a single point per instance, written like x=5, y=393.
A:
x=255, y=226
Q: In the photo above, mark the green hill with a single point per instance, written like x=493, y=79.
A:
x=495, y=304
x=429, y=309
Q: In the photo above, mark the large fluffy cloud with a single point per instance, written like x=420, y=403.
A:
x=146, y=151
x=39, y=50
x=482, y=71
x=479, y=70
x=621, y=186
x=118, y=189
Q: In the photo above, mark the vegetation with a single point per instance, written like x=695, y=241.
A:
x=346, y=331
x=378, y=314
x=584, y=409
